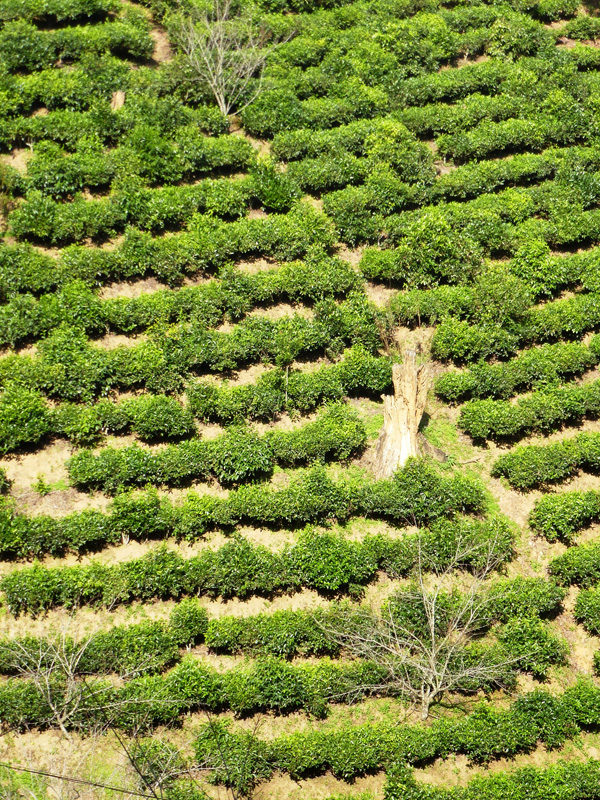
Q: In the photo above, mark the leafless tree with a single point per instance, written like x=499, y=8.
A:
x=55, y=666
x=52, y=665
x=225, y=52
x=423, y=638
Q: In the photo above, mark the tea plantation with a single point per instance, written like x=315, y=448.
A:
x=207, y=589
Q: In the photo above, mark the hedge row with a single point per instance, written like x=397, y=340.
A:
x=499, y=222
x=236, y=456
x=233, y=295
x=529, y=466
x=68, y=366
x=144, y=156
x=40, y=218
x=268, y=684
x=57, y=10
x=415, y=494
x=587, y=610
x=544, y=275
x=573, y=123
x=144, y=648
x=536, y=368
x=147, y=701
x=570, y=318
x=558, y=517
x=540, y=412
x=471, y=180
x=291, y=633
x=25, y=417
x=325, y=562
x=151, y=647
x=209, y=244
x=437, y=118
x=108, y=126
x=568, y=779
x=348, y=752
x=359, y=213
x=43, y=219
x=358, y=373
x=578, y=565
x=24, y=47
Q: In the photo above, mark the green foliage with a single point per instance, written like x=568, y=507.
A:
x=538, y=368
x=482, y=735
x=529, y=466
x=236, y=456
x=540, y=412
x=566, y=778
x=579, y=565
x=558, y=517
x=416, y=493
x=532, y=646
x=24, y=417
x=326, y=562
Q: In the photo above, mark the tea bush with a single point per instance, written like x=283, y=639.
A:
x=558, y=517
x=326, y=562
x=416, y=492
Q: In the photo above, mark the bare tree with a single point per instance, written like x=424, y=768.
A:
x=56, y=667
x=52, y=664
x=423, y=639
x=225, y=52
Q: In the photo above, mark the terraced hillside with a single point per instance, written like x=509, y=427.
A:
x=205, y=592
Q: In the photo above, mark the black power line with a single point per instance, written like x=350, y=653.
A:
x=76, y=780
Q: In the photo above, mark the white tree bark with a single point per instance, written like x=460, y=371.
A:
x=402, y=414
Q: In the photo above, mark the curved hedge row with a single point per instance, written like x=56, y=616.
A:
x=540, y=412
x=233, y=295
x=148, y=157
x=530, y=133
x=545, y=276
x=535, y=368
x=211, y=244
x=57, y=10
x=357, y=373
x=25, y=417
x=151, y=647
x=144, y=648
x=350, y=751
x=144, y=702
x=236, y=456
x=529, y=466
x=579, y=565
x=24, y=47
x=265, y=685
x=558, y=517
x=417, y=493
x=68, y=366
x=67, y=127
x=326, y=562
x=577, y=781
x=570, y=318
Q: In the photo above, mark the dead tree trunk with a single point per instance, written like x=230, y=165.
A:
x=402, y=413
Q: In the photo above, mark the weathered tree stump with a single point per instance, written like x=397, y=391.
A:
x=402, y=414
x=117, y=100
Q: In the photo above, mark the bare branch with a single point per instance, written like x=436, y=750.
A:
x=423, y=639
x=226, y=53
